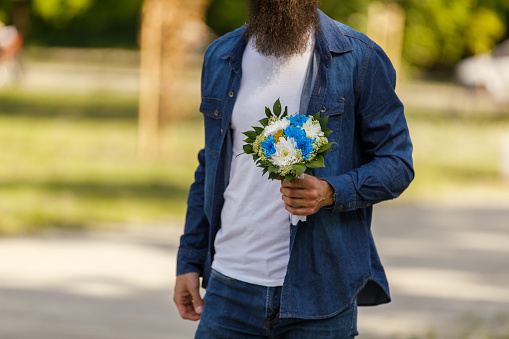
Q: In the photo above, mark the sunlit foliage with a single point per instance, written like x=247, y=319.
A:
x=437, y=33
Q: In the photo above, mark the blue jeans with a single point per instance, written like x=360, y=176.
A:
x=235, y=309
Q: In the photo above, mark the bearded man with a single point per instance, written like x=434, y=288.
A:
x=264, y=277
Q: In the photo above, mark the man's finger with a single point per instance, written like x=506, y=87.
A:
x=295, y=183
x=186, y=308
x=299, y=203
x=293, y=193
x=187, y=296
x=197, y=300
x=299, y=210
x=296, y=203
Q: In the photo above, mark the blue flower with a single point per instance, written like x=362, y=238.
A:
x=298, y=119
x=295, y=132
x=268, y=147
x=303, y=142
x=306, y=147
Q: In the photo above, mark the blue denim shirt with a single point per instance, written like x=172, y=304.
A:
x=333, y=258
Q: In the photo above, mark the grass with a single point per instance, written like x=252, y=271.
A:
x=71, y=162
x=457, y=159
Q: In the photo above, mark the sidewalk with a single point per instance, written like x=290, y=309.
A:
x=448, y=271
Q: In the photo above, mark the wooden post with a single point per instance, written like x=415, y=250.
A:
x=386, y=26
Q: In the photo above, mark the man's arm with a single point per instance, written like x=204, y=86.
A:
x=385, y=142
x=384, y=139
x=193, y=249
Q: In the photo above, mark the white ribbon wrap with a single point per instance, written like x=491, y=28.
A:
x=294, y=219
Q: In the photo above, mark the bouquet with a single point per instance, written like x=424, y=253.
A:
x=288, y=146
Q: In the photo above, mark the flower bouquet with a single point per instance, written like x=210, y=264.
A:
x=288, y=146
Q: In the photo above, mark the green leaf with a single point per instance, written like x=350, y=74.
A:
x=258, y=130
x=264, y=171
x=316, y=116
x=249, y=140
x=320, y=158
x=268, y=113
x=300, y=168
x=285, y=114
x=325, y=147
x=323, y=122
x=248, y=149
x=250, y=134
x=289, y=177
x=273, y=169
x=273, y=175
x=264, y=122
x=314, y=164
x=265, y=163
x=255, y=157
x=317, y=163
x=277, y=108
x=327, y=132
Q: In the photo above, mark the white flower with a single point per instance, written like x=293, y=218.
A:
x=286, y=153
x=313, y=129
x=272, y=128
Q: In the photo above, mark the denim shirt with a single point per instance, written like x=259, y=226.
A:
x=333, y=258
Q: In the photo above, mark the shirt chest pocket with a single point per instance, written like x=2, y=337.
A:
x=213, y=119
x=334, y=110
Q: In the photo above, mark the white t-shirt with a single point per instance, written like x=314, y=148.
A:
x=253, y=243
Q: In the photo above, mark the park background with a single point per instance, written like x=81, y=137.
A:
x=100, y=125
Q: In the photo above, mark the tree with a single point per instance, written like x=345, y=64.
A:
x=94, y=23
x=441, y=32
x=60, y=12
x=438, y=33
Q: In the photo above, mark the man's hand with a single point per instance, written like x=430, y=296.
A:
x=307, y=195
x=187, y=296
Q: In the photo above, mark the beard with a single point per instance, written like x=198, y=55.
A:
x=281, y=28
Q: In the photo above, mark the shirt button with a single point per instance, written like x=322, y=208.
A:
x=216, y=112
x=323, y=109
x=340, y=207
x=231, y=94
x=222, y=131
x=368, y=204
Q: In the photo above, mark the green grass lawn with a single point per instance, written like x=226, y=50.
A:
x=71, y=162
x=457, y=160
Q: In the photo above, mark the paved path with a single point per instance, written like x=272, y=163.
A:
x=448, y=270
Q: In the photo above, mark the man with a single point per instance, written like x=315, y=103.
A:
x=263, y=276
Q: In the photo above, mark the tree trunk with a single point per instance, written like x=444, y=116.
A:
x=165, y=43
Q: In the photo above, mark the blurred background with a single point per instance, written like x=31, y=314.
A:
x=99, y=131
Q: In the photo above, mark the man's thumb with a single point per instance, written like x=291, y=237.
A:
x=197, y=301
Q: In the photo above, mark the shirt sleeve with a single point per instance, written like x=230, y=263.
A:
x=384, y=137
x=193, y=248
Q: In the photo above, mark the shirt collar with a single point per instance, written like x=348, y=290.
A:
x=329, y=39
